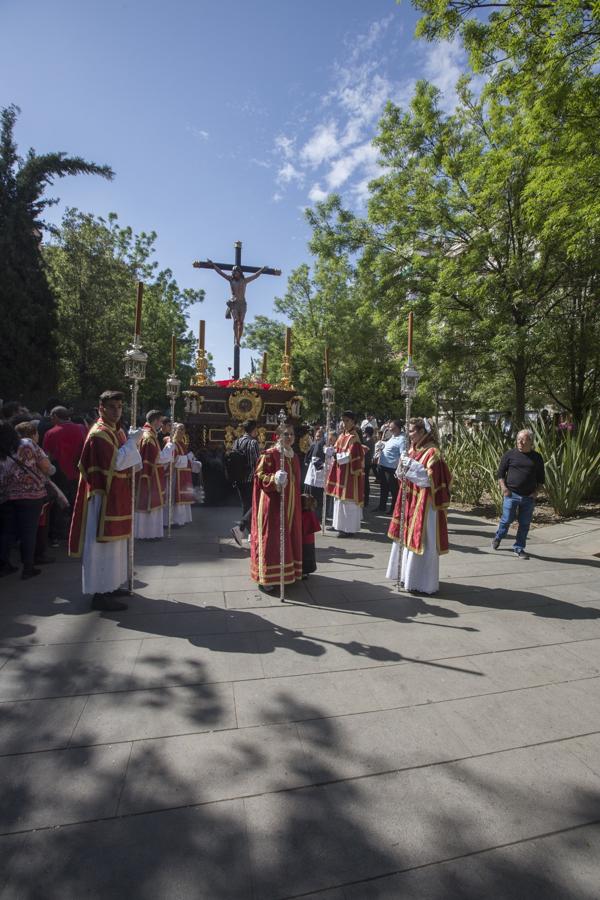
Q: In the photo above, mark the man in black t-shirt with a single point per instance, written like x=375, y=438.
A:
x=520, y=474
x=247, y=445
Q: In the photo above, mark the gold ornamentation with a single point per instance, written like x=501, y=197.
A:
x=244, y=404
x=200, y=379
x=304, y=442
x=286, y=373
x=293, y=406
x=231, y=434
x=262, y=437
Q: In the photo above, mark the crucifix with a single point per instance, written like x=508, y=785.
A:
x=236, y=305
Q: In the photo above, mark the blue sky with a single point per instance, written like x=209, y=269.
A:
x=222, y=120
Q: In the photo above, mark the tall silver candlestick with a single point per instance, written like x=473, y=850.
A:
x=173, y=390
x=281, y=418
x=328, y=395
x=410, y=381
x=135, y=371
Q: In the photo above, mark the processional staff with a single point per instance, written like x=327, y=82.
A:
x=281, y=418
x=328, y=395
x=135, y=371
x=409, y=383
x=173, y=388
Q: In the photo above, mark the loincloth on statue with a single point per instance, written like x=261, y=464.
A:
x=236, y=309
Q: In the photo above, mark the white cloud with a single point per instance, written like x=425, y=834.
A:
x=285, y=146
x=445, y=62
x=316, y=194
x=277, y=197
x=343, y=168
x=260, y=162
x=198, y=132
x=288, y=172
x=323, y=145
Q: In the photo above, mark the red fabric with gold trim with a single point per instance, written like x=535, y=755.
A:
x=98, y=476
x=347, y=482
x=418, y=500
x=150, y=481
x=265, y=565
x=184, y=489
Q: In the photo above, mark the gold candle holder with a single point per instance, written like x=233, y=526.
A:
x=286, y=373
x=199, y=379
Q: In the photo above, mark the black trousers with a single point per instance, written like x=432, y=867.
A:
x=389, y=485
x=20, y=522
x=245, y=494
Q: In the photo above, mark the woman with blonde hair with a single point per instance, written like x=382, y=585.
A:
x=426, y=498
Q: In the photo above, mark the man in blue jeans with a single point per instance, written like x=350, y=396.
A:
x=520, y=473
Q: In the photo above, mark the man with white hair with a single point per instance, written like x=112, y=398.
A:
x=520, y=474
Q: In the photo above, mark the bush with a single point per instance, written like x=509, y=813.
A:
x=572, y=461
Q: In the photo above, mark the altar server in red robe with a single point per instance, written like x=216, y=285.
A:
x=426, y=498
x=101, y=522
x=151, y=483
x=183, y=489
x=346, y=481
x=276, y=467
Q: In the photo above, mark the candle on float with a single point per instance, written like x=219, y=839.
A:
x=326, y=363
x=410, y=334
x=288, y=341
x=264, y=364
x=201, y=335
x=138, y=309
x=173, y=344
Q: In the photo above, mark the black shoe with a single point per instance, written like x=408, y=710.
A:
x=121, y=592
x=267, y=588
x=8, y=569
x=29, y=572
x=107, y=603
x=43, y=560
x=495, y=544
x=520, y=554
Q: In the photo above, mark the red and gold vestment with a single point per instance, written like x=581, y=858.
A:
x=418, y=500
x=184, y=488
x=151, y=481
x=98, y=476
x=347, y=481
x=266, y=505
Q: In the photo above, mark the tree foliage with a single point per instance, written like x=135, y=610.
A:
x=93, y=266
x=27, y=306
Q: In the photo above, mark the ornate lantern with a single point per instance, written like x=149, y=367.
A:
x=410, y=380
x=135, y=363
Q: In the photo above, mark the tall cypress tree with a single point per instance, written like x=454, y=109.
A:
x=27, y=306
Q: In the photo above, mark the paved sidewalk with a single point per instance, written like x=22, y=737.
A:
x=353, y=743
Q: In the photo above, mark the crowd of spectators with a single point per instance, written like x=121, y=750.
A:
x=39, y=454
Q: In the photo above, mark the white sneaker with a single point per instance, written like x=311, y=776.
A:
x=238, y=535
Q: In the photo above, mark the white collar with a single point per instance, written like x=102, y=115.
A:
x=287, y=451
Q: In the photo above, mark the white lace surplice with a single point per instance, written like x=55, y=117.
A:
x=104, y=565
x=420, y=572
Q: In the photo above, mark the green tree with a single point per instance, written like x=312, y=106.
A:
x=325, y=309
x=93, y=266
x=27, y=306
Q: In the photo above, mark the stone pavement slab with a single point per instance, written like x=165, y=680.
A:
x=351, y=743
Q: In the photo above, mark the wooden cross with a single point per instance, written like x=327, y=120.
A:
x=251, y=270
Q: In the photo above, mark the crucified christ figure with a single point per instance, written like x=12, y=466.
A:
x=236, y=305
